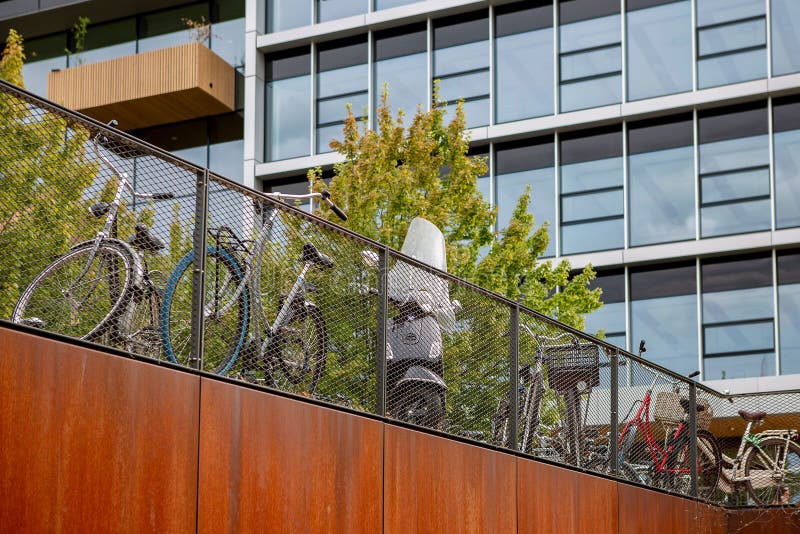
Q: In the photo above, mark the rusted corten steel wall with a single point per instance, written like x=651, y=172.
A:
x=95, y=442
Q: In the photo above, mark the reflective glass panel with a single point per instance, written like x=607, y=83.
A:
x=661, y=182
x=659, y=50
x=786, y=144
x=523, y=61
x=336, y=9
x=107, y=41
x=43, y=55
x=342, y=78
x=226, y=146
x=287, y=14
x=227, y=40
x=519, y=166
x=386, y=4
x=461, y=64
x=784, y=22
x=664, y=313
x=738, y=330
x=169, y=28
x=789, y=311
x=590, y=55
x=401, y=62
x=611, y=317
x=288, y=94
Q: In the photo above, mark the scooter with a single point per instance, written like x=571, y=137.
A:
x=414, y=368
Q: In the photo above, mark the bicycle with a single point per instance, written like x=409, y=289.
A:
x=767, y=464
x=293, y=345
x=101, y=290
x=572, y=371
x=668, y=466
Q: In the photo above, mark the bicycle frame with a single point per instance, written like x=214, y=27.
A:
x=750, y=444
x=660, y=456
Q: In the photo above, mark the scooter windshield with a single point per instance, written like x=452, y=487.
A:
x=424, y=242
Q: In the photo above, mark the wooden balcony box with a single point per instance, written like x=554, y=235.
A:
x=158, y=87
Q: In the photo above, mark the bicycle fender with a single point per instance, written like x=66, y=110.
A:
x=138, y=275
x=417, y=373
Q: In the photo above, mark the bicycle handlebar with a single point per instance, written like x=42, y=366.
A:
x=325, y=196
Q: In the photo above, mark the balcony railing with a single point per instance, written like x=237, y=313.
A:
x=510, y=378
x=157, y=87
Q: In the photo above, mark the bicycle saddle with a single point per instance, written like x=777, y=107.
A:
x=312, y=255
x=144, y=240
x=753, y=417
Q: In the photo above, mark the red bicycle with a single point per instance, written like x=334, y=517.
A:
x=667, y=466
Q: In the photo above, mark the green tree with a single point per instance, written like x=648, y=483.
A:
x=396, y=172
x=392, y=174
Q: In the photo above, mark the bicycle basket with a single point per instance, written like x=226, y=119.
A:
x=668, y=410
x=567, y=365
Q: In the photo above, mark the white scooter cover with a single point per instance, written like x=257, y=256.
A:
x=425, y=243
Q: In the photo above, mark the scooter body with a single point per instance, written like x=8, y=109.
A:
x=414, y=365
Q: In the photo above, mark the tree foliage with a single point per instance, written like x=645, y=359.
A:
x=395, y=173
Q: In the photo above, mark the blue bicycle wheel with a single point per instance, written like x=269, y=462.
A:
x=226, y=314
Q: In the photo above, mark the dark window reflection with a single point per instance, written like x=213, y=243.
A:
x=734, y=170
x=664, y=313
x=786, y=145
x=527, y=164
x=591, y=191
x=461, y=64
x=738, y=322
x=789, y=310
x=661, y=181
x=523, y=60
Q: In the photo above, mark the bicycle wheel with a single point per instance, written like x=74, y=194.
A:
x=301, y=348
x=138, y=324
x=709, y=465
x=419, y=405
x=226, y=314
x=61, y=300
x=773, y=472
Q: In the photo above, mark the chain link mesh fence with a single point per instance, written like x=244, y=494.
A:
x=288, y=301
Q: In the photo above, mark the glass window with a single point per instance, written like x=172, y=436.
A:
x=661, y=181
x=659, y=47
x=336, y=9
x=738, y=326
x=591, y=191
x=287, y=14
x=169, y=28
x=734, y=171
x=43, y=55
x=521, y=165
x=342, y=79
x=789, y=310
x=664, y=313
x=731, y=41
x=227, y=31
x=784, y=23
x=523, y=60
x=107, y=41
x=386, y=4
x=401, y=61
x=590, y=53
x=461, y=64
x=288, y=104
x=786, y=144
x=611, y=317
x=226, y=147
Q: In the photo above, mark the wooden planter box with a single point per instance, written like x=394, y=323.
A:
x=158, y=87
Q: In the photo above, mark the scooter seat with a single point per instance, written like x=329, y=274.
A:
x=753, y=417
x=312, y=255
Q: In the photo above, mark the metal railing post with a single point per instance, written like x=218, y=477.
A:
x=693, y=437
x=380, y=349
x=613, y=434
x=513, y=396
x=198, y=274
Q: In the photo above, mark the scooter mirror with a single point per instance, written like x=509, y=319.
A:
x=456, y=305
x=370, y=258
